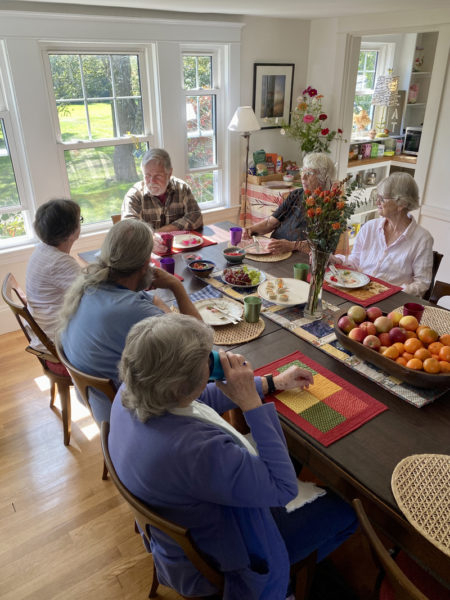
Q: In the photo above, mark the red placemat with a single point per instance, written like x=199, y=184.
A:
x=373, y=292
x=331, y=407
x=207, y=241
x=156, y=263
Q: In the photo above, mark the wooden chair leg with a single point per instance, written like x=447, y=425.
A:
x=105, y=472
x=155, y=583
x=66, y=412
x=52, y=393
x=303, y=574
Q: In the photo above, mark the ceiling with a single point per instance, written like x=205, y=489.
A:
x=301, y=9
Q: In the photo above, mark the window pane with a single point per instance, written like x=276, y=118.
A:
x=9, y=196
x=101, y=120
x=205, y=72
x=189, y=71
x=97, y=76
x=197, y=72
x=371, y=61
x=100, y=177
x=11, y=225
x=126, y=75
x=202, y=185
x=72, y=121
x=201, y=131
x=66, y=76
x=129, y=114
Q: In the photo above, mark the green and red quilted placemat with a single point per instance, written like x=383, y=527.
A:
x=331, y=407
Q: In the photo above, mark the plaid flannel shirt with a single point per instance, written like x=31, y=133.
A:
x=180, y=208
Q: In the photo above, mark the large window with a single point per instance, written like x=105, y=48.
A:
x=12, y=223
x=100, y=122
x=201, y=98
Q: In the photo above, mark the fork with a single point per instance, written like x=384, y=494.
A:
x=335, y=272
x=234, y=320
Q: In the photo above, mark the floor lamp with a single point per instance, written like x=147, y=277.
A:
x=244, y=121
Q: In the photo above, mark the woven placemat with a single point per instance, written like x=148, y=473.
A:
x=421, y=487
x=436, y=318
x=227, y=335
x=269, y=257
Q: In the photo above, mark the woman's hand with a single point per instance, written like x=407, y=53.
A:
x=294, y=377
x=247, y=233
x=280, y=246
x=240, y=383
x=334, y=260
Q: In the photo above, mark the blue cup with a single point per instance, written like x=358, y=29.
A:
x=215, y=367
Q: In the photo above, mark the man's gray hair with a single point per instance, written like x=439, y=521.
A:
x=126, y=248
x=322, y=163
x=163, y=361
x=159, y=155
x=402, y=188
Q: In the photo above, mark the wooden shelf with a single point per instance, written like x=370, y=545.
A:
x=399, y=158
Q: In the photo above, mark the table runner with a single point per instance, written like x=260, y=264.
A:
x=331, y=407
x=207, y=241
x=373, y=292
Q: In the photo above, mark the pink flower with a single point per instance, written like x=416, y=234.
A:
x=322, y=117
x=325, y=131
x=340, y=131
x=310, y=91
x=308, y=119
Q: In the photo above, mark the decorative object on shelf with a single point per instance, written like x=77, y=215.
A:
x=272, y=93
x=308, y=124
x=371, y=178
x=418, y=60
x=327, y=213
x=244, y=122
x=384, y=96
x=361, y=120
x=413, y=92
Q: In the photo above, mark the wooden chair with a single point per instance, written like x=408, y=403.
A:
x=440, y=289
x=301, y=573
x=116, y=218
x=401, y=573
x=15, y=298
x=83, y=382
x=436, y=262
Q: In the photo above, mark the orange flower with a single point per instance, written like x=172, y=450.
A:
x=317, y=191
x=326, y=199
x=307, y=192
x=310, y=201
x=336, y=226
x=340, y=205
x=302, y=106
x=310, y=212
x=319, y=96
x=318, y=211
x=322, y=194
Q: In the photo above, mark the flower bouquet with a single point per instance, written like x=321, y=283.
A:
x=308, y=124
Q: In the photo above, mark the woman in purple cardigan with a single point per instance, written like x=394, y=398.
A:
x=171, y=449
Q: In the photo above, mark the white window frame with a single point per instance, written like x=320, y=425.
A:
x=142, y=51
x=217, y=56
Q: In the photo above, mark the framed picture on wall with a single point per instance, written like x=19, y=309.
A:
x=272, y=93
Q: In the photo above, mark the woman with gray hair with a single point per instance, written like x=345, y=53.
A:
x=394, y=247
x=108, y=298
x=171, y=448
x=163, y=201
x=288, y=222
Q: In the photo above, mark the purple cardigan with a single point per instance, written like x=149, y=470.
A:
x=196, y=474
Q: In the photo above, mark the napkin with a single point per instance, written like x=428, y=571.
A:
x=307, y=492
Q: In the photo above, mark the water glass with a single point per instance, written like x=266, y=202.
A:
x=252, y=309
x=168, y=264
x=235, y=235
x=301, y=271
x=413, y=309
x=167, y=239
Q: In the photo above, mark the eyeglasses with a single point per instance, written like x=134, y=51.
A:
x=81, y=219
x=308, y=172
x=382, y=200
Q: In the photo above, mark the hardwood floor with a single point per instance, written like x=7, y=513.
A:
x=64, y=532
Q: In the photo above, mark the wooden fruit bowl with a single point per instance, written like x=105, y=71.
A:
x=416, y=378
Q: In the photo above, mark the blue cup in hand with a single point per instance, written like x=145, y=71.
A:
x=215, y=367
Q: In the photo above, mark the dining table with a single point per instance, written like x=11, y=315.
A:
x=359, y=464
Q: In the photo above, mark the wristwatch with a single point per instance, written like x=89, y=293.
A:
x=270, y=384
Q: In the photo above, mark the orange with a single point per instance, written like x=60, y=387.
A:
x=435, y=347
x=419, y=329
x=400, y=347
x=445, y=339
x=409, y=323
x=444, y=353
x=411, y=334
x=391, y=352
x=402, y=361
x=415, y=364
x=436, y=356
x=422, y=354
x=427, y=335
x=407, y=356
x=431, y=365
x=445, y=366
x=412, y=344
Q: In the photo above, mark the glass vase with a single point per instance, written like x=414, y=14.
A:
x=319, y=261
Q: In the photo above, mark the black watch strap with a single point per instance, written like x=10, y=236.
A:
x=270, y=384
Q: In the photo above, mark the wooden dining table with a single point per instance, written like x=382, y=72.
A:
x=360, y=464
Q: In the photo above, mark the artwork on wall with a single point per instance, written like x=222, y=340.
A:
x=272, y=93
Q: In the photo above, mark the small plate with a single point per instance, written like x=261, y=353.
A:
x=213, y=317
x=296, y=290
x=183, y=241
x=348, y=279
x=262, y=277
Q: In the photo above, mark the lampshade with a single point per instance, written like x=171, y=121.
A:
x=385, y=92
x=244, y=120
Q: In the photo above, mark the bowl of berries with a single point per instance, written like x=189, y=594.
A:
x=234, y=255
x=243, y=276
x=202, y=268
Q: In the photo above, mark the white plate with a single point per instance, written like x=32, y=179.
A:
x=278, y=185
x=210, y=317
x=348, y=279
x=297, y=291
x=262, y=277
x=179, y=239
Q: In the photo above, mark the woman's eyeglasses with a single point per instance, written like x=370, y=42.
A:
x=382, y=200
x=308, y=172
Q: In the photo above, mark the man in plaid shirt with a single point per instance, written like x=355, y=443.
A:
x=163, y=201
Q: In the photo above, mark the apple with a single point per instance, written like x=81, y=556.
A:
x=409, y=322
x=397, y=334
x=381, y=349
x=395, y=317
x=368, y=327
x=346, y=324
x=373, y=312
x=383, y=324
x=357, y=313
x=385, y=339
x=357, y=334
x=371, y=341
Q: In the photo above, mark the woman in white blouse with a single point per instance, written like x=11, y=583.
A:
x=394, y=247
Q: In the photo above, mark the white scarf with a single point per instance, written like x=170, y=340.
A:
x=307, y=490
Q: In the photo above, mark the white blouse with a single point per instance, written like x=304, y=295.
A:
x=406, y=262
